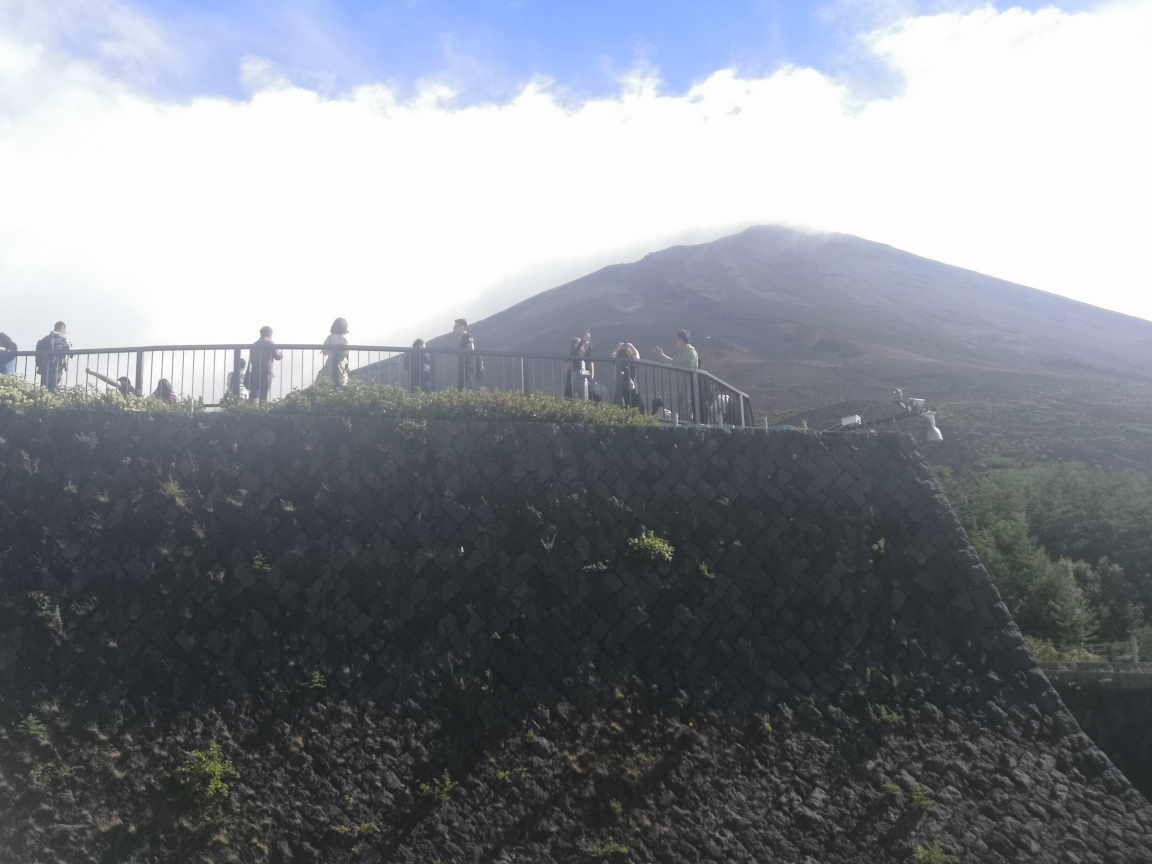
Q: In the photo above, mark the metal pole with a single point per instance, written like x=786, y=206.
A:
x=743, y=423
x=523, y=380
x=140, y=373
x=236, y=373
x=1135, y=649
x=697, y=415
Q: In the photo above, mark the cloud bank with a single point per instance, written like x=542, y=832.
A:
x=1016, y=145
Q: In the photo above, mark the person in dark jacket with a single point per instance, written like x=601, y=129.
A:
x=51, y=362
x=422, y=363
x=573, y=352
x=471, y=367
x=8, y=351
x=261, y=357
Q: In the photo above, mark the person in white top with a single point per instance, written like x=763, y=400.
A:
x=335, y=368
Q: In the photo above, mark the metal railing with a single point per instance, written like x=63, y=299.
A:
x=211, y=374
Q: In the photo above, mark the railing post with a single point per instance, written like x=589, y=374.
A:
x=523, y=380
x=140, y=373
x=1135, y=649
x=742, y=422
x=236, y=382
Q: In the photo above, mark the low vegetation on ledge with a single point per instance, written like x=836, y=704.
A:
x=357, y=399
x=360, y=398
x=17, y=394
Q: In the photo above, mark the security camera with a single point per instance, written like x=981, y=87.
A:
x=897, y=393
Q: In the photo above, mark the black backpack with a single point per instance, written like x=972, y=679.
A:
x=44, y=345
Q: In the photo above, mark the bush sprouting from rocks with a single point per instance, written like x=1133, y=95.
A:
x=34, y=728
x=933, y=854
x=922, y=798
x=650, y=549
x=200, y=781
x=440, y=790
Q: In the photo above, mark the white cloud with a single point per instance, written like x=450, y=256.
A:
x=1018, y=146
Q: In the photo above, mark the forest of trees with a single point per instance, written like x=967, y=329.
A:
x=1069, y=547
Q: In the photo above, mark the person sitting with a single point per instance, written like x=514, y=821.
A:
x=236, y=388
x=122, y=384
x=659, y=411
x=165, y=393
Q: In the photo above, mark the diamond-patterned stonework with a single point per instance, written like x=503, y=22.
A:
x=481, y=568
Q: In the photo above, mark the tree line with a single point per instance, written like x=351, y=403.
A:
x=1068, y=546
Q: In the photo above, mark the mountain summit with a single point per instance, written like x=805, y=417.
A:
x=819, y=324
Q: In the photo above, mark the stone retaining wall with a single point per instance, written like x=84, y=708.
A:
x=485, y=565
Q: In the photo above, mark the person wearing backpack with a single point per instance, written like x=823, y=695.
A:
x=51, y=359
x=471, y=366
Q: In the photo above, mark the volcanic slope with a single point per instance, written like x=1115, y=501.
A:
x=817, y=326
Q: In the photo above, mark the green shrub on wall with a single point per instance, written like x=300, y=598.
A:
x=650, y=549
x=366, y=399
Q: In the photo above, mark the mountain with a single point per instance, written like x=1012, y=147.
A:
x=817, y=326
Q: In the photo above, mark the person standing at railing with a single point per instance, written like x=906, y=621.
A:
x=582, y=370
x=50, y=364
x=573, y=352
x=8, y=351
x=626, y=395
x=418, y=365
x=688, y=360
x=335, y=368
x=471, y=366
x=261, y=357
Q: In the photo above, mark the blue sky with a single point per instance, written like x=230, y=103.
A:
x=487, y=49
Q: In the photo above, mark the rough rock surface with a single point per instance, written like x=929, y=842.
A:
x=352, y=607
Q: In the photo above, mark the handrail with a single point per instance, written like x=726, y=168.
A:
x=700, y=395
x=393, y=349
